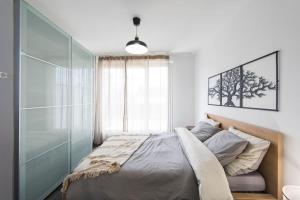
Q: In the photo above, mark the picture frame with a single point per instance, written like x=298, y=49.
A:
x=252, y=85
x=214, y=90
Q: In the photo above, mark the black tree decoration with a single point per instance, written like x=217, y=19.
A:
x=216, y=90
x=229, y=87
x=255, y=86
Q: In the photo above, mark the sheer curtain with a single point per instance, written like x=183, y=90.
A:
x=132, y=95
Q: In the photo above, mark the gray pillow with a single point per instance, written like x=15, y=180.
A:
x=226, y=146
x=204, y=130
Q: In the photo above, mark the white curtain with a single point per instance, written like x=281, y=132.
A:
x=132, y=96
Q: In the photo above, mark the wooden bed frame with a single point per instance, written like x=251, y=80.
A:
x=271, y=166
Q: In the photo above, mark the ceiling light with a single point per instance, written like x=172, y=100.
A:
x=136, y=46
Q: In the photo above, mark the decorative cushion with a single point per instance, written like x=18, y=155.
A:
x=226, y=146
x=250, y=159
x=204, y=130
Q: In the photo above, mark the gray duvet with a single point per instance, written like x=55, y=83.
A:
x=158, y=170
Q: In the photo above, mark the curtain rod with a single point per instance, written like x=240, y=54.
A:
x=133, y=57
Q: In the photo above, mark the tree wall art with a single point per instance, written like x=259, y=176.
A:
x=252, y=85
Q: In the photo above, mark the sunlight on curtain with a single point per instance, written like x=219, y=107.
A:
x=147, y=95
x=134, y=96
x=112, y=95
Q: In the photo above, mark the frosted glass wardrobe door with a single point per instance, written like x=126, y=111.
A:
x=81, y=132
x=42, y=39
x=44, y=111
x=44, y=138
x=43, y=114
x=42, y=175
x=43, y=84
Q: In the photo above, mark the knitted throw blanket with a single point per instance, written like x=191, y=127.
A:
x=105, y=159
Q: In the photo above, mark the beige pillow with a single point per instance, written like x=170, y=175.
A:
x=210, y=121
x=250, y=159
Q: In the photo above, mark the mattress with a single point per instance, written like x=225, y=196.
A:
x=252, y=182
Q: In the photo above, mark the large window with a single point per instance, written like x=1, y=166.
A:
x=134, y=95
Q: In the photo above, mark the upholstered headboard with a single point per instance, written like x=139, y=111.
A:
x=271, y=166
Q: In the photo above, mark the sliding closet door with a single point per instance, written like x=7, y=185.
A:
x=44, y=105
x=82, y=79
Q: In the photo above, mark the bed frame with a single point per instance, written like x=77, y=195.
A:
x=271, y=166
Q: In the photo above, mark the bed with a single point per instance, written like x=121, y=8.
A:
x=271, y=166
x=173, y=166
x=157, y=170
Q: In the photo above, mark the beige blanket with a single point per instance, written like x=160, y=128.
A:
x=106, y=159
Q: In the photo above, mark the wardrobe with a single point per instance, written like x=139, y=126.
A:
x=56, y=103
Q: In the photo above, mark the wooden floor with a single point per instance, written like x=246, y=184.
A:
x=55, y=195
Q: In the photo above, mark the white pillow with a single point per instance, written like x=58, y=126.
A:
x=210, y=121
x=250, y=159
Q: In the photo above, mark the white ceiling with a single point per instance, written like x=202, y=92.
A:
x=104, y=27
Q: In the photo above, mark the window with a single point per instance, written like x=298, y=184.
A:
x=134, y=95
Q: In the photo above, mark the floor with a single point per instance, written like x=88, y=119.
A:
x=55, y=195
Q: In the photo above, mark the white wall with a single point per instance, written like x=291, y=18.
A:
x=182, y=65
x=6, y=100
x=262, y=26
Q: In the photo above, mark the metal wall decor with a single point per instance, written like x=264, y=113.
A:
x=252, y=85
